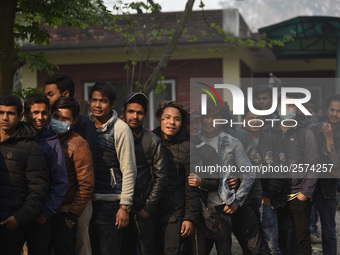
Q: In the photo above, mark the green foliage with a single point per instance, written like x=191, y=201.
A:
x=32, y=15
x=250, y=42
x=27, y=92
x=201, y=4
x=160, y=85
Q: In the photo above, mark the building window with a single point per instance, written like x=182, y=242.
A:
x=169, y=93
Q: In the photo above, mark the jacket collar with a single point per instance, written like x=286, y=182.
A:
x=108, y=124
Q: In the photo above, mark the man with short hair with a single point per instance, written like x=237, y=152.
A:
x=327, y=136
x=263, y=97
x=57, y=85
x=37, y=108
x=23, y=176
x=236, y=215
x=151, y=178
x=179, y=207
x=299, y=147
x=266, y=153
x=64, y=113
x=115, y=172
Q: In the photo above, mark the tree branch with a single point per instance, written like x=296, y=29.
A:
x=151, y=82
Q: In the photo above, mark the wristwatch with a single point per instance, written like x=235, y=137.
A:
x=127, y=208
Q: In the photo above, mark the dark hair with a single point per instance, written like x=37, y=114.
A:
x=330, y=98
x=218, y=109
x=11, y=100
x=36, y=99
x=66, y=103
x=168, y=104
x=106, y=89
x=63, y=82
x=262, y=89
x=246, y=109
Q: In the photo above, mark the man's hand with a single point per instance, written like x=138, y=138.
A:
x=233, y=182
x=231, y=209
x=187, y=228
x=328, y=133
x=194, y=180
x=327, y=130
x=10, y=223
x=302, y=197
x=266, y=201
x=69, y=224
x=122, y=218
x=144, y=213
x=41, y=219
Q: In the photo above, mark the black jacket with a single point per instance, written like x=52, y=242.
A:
x=327, y=186
x=152, y=171
x=296, y=154
x=180, y=200
x=207, y=156
x=23, y=176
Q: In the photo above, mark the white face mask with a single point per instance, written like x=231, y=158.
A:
x=290, y=114
x=60, y=127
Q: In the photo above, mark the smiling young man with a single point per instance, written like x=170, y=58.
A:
x=23, y=176
x=151, y=178
x=179, y=207
x=80, y=176
x=115, y=172
x=36, y=112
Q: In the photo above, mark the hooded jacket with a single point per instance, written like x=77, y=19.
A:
x=23, y=176
x=54, y=155
x=180, y=199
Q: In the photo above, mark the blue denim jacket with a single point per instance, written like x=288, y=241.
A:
x=232, y=153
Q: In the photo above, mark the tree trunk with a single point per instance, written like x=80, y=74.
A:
x=151, y=82
x=7, y=53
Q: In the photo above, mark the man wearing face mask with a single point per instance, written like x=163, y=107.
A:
x=80, y=175
x=299, y=147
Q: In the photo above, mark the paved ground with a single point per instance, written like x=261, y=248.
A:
x=317, y=249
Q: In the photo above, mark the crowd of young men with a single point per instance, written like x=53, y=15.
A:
x=107, y=185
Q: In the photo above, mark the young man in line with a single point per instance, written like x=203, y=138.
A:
x=229, y=202
x=299, y=147
x=327, y=135
x=179, y=207
x=205, y=182
x=267, y=153
x=64, y=113
x=57, y=85
x=23, y=176
x=115, y=172
x=151, y=181
x=36, y=112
